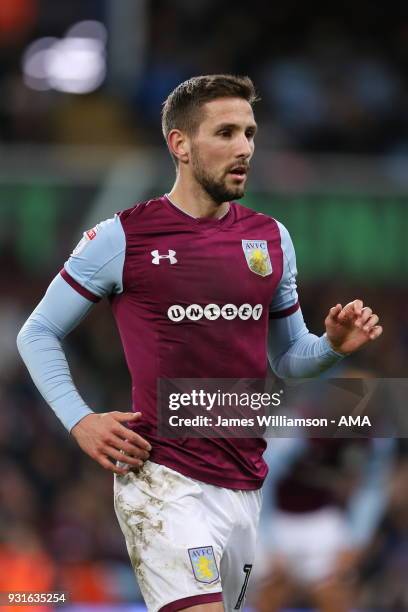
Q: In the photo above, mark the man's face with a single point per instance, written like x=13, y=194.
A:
x=222, y=148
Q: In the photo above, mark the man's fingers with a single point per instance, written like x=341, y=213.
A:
x=358, y=307
x=104, y=437
x=334, y=312
x=365, y=315
x=115, y=454
x=133, y=437
x=130, y=449
x=370, y=323
x=125, y=416
x=351, y=311
x=108, y=465
x=375, y=332
x=353, y=308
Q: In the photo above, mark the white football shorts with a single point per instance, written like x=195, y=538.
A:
x=189, y=542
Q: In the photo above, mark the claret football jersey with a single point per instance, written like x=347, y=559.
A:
x=191, y=298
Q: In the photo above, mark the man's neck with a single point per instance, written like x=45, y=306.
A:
x=193, y=200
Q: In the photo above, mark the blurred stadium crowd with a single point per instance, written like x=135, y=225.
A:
x=328, y=85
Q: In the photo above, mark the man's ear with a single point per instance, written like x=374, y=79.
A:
x=179, y=145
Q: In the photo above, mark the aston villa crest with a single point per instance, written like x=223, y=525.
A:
x=257, y=256
x=204, y=564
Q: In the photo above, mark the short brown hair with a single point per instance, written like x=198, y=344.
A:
x=180, y=109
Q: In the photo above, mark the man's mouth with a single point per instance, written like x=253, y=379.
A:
x=239, y=172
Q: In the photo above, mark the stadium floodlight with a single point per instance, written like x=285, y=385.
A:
x=34, y=63
x=88, y=29
x=75, y=64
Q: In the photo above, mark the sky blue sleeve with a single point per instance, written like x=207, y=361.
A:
x=94, y=269
x=285, y=300
x=39, y=344
x=294, y=352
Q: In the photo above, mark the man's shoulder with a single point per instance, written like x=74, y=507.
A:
x=146, y=207
x=244, y=213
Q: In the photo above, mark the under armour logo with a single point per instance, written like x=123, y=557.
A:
x=157, y=257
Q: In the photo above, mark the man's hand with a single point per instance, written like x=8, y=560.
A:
x=102, y=436
x=351, y=327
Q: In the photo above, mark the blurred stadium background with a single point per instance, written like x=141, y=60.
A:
x=81, y=88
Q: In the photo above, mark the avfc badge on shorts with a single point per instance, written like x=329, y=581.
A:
x=204, y=564
x=257, y=256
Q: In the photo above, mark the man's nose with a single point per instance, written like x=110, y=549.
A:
x=244, y=148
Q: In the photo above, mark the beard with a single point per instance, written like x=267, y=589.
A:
x=217, y=188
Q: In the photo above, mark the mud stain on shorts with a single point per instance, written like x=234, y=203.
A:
x=140, y=502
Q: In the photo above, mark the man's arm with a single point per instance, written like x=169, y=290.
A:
x=292, y=350
x=39, y=344
x=93, y=270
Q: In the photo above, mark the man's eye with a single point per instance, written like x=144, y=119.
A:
x=225, y=133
